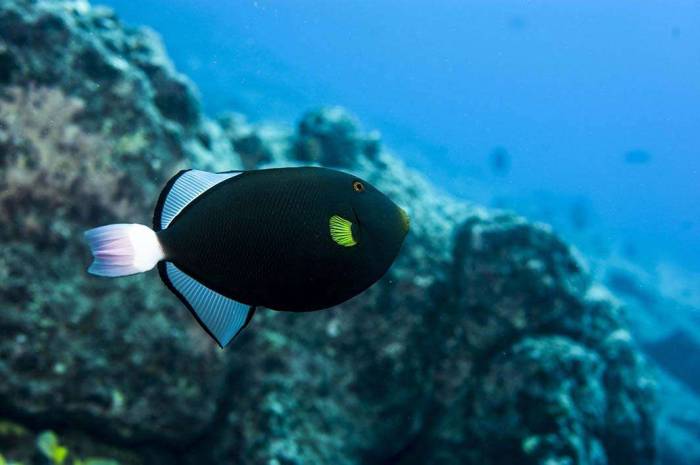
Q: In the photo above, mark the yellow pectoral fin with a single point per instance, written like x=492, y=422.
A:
x=341, y=231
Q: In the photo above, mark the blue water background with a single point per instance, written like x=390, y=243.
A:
x=566, y=88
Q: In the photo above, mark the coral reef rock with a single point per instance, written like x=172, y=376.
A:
x=486, y=343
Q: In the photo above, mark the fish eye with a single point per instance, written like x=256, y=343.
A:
x=357, y=186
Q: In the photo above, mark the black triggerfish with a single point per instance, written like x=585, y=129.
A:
x=288, y=239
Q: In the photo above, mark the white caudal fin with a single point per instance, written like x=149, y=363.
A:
x=123, y=249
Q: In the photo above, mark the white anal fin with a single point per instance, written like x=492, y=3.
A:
x=182, y=189
x=221, y=317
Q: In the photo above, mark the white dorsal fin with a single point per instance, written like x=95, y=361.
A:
x=221, y=317
x=181, y=190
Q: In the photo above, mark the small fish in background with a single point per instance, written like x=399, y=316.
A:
x=516, y=23
x=289, y=239
x=637, y=157
x=579, y=215
x=499, y=160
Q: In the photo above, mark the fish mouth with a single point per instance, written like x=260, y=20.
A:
x=405, y=220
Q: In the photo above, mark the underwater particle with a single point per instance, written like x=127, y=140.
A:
x=289, y=239
x=637, y=157
x=59, y=368
x=499, y=160
x=333, y=328
x=117, y=400
x=530, y=444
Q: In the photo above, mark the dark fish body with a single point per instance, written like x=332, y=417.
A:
x=262, y=238
x=289, y=239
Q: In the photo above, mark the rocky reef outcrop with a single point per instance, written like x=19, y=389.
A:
x=662, y=303
x=487, y=342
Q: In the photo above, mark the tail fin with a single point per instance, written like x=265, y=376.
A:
x=123, y=249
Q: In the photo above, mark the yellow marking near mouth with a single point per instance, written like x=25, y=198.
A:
x=341, y=231
x=405, y=220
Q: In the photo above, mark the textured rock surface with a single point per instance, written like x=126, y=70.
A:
x=486, y=343
x=662, y=304
x=94, y=119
